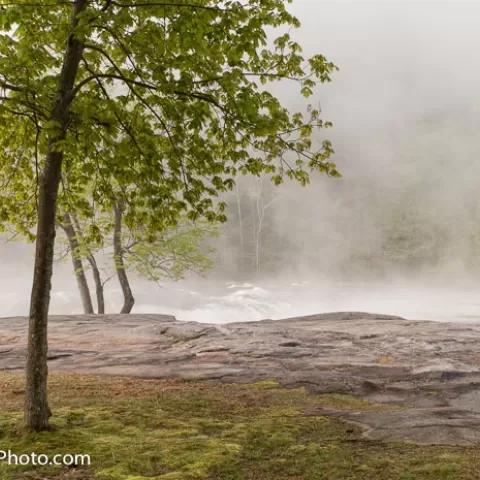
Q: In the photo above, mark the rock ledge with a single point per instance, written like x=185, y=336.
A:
x=433, y=368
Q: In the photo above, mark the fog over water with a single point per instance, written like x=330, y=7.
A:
x=397, y=233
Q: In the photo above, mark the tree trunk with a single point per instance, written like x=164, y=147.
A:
x=240, y=221
x=96, y=272
x=261, y=214
x=78, y=264
x=98, y=284
x=254, y=228
x=37, y=412
x=128, y=299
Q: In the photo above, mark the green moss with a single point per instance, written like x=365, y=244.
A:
x=265, y=384
x=139, y=430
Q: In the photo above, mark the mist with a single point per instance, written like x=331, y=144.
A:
x=397, y=234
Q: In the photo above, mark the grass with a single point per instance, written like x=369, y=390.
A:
x=175, y=430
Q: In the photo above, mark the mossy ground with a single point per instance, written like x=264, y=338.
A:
x=170, y=430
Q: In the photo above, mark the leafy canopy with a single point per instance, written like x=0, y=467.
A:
x=170, y=103
x=168, y=255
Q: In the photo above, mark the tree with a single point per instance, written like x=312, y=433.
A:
x=260, y=209
x=78, y=268
x=412, y=237
x=169, y=254
x=87, y=251
x=251, y=238
x=164, y=99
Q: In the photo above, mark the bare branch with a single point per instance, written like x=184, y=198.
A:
x=108, y=279
x=13, y=237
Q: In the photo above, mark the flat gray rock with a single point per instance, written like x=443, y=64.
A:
x=433, y=368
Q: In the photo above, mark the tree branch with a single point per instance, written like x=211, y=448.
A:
x=112, y=76
x=131, y=81
x=22, y=4
x=165, y=4
x=23, y=103
x=105, y=93
x=7, y=86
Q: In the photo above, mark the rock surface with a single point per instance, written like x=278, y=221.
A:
x=432, y=368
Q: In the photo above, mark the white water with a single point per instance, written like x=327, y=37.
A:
x=444, y=298
x=249, y=302
x=222, y=302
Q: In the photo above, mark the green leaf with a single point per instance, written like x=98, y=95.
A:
x=158, y=120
